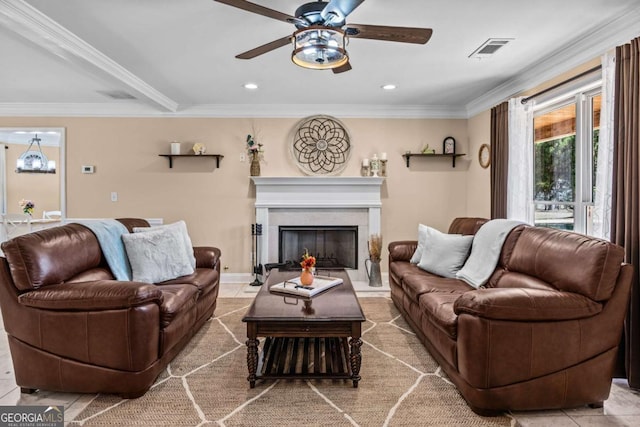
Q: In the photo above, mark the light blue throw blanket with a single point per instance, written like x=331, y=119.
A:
x=485, y=251
x=109, y=234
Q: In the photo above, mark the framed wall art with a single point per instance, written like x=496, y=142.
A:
x=449, y=145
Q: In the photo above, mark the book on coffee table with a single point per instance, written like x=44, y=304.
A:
x=294, y=287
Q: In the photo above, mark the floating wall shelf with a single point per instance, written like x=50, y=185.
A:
x=171, y=156
x=408, y=156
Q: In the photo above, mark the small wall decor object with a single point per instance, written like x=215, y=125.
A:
x=426, y=150
x=175, y=147
x=254, y=149
x=199, y=148
x=321, y=146
x=364, y=169
x=375, y=165
x=449, y=145
x=484, y=156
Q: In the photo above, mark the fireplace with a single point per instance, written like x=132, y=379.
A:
x=333, y=246
x=326, y=201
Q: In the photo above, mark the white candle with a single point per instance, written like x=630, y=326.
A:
x=175, y=148
x=383, y=156
x=365, y=162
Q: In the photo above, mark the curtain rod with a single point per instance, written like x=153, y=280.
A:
x=525, y=100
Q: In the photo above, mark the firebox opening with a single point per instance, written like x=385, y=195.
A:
x=333, y=246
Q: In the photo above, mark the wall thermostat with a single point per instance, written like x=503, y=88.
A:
x=87, y=169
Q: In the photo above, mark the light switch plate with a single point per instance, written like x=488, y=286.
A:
x=87, y=169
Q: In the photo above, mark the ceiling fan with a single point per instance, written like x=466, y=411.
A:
x=320, y=39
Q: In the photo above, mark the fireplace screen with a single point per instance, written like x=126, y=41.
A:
x=333, y=246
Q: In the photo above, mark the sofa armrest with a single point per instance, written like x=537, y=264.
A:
x=402, y=250
x=93, y=295
x=523, y=304
x=206, y=256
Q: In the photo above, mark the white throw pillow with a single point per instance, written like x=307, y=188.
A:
x=422, y=241
x=445, y=254
x=181, y=227
x=157, y=255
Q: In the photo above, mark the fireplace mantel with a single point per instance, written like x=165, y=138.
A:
x=318, y=192
x=316, y=199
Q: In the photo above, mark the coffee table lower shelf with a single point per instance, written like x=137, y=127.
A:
x=305, y=358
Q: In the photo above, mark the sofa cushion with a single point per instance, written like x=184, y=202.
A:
x=438, y=307
x=422, y=241
x=179, y=227
x=202, y=279
x=42, y=258
x=568, y=261
x=444, y=254
x=416, y=284
x=157, y=255
x=399, y=269
x=177, y=299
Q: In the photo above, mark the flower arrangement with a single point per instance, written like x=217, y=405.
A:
x=308, y=261
x=27, y=206
x=375, y=247
x=253, y=147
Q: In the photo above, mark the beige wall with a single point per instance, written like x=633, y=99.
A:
x=217, y=204
x=479, y=179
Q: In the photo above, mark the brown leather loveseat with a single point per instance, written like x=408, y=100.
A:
x=73, y=328
x=543, y=333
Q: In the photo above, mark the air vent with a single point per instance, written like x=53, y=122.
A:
x=489, y=48
x=116, y=94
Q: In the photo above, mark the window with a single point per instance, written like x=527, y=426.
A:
x=565, y=155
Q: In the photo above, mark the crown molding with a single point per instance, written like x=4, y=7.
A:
x=127, y=109
x=618, y=31
x=33, y=25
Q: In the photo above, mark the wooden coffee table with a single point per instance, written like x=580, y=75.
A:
x=309, y=338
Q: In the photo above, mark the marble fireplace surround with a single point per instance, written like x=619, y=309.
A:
x=310, y=200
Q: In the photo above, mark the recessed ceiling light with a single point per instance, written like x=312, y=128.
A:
x=389, y=87
x=251, y=86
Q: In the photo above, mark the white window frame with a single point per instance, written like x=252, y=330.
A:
x=583, y=197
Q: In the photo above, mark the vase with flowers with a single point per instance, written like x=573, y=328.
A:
x=308, y=263
x=27, y=206
x=254, y=149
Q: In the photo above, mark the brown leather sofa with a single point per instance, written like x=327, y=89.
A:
x=542, y=334
x=73, y=328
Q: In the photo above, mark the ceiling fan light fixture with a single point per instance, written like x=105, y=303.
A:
x=319, y=48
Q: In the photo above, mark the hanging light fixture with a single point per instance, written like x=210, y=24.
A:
x=319, y=48
x=34, y=161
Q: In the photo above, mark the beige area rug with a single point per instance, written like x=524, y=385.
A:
x=206, y=384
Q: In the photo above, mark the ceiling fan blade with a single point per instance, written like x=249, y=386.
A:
x=391, y=34
x=342, y=68
x=265, y=48
x=339, y=8
x=256, y=8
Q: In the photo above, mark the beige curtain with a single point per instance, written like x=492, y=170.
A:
x=625, y=212
x=499, y=159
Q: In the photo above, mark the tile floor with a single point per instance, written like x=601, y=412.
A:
x=621, y=409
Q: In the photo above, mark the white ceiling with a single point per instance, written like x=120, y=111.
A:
x=177, y=57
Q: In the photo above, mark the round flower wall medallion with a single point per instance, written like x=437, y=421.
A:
x=321, y=145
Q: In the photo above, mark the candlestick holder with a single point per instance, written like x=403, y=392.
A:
x=383, y=167
x=375, y=166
